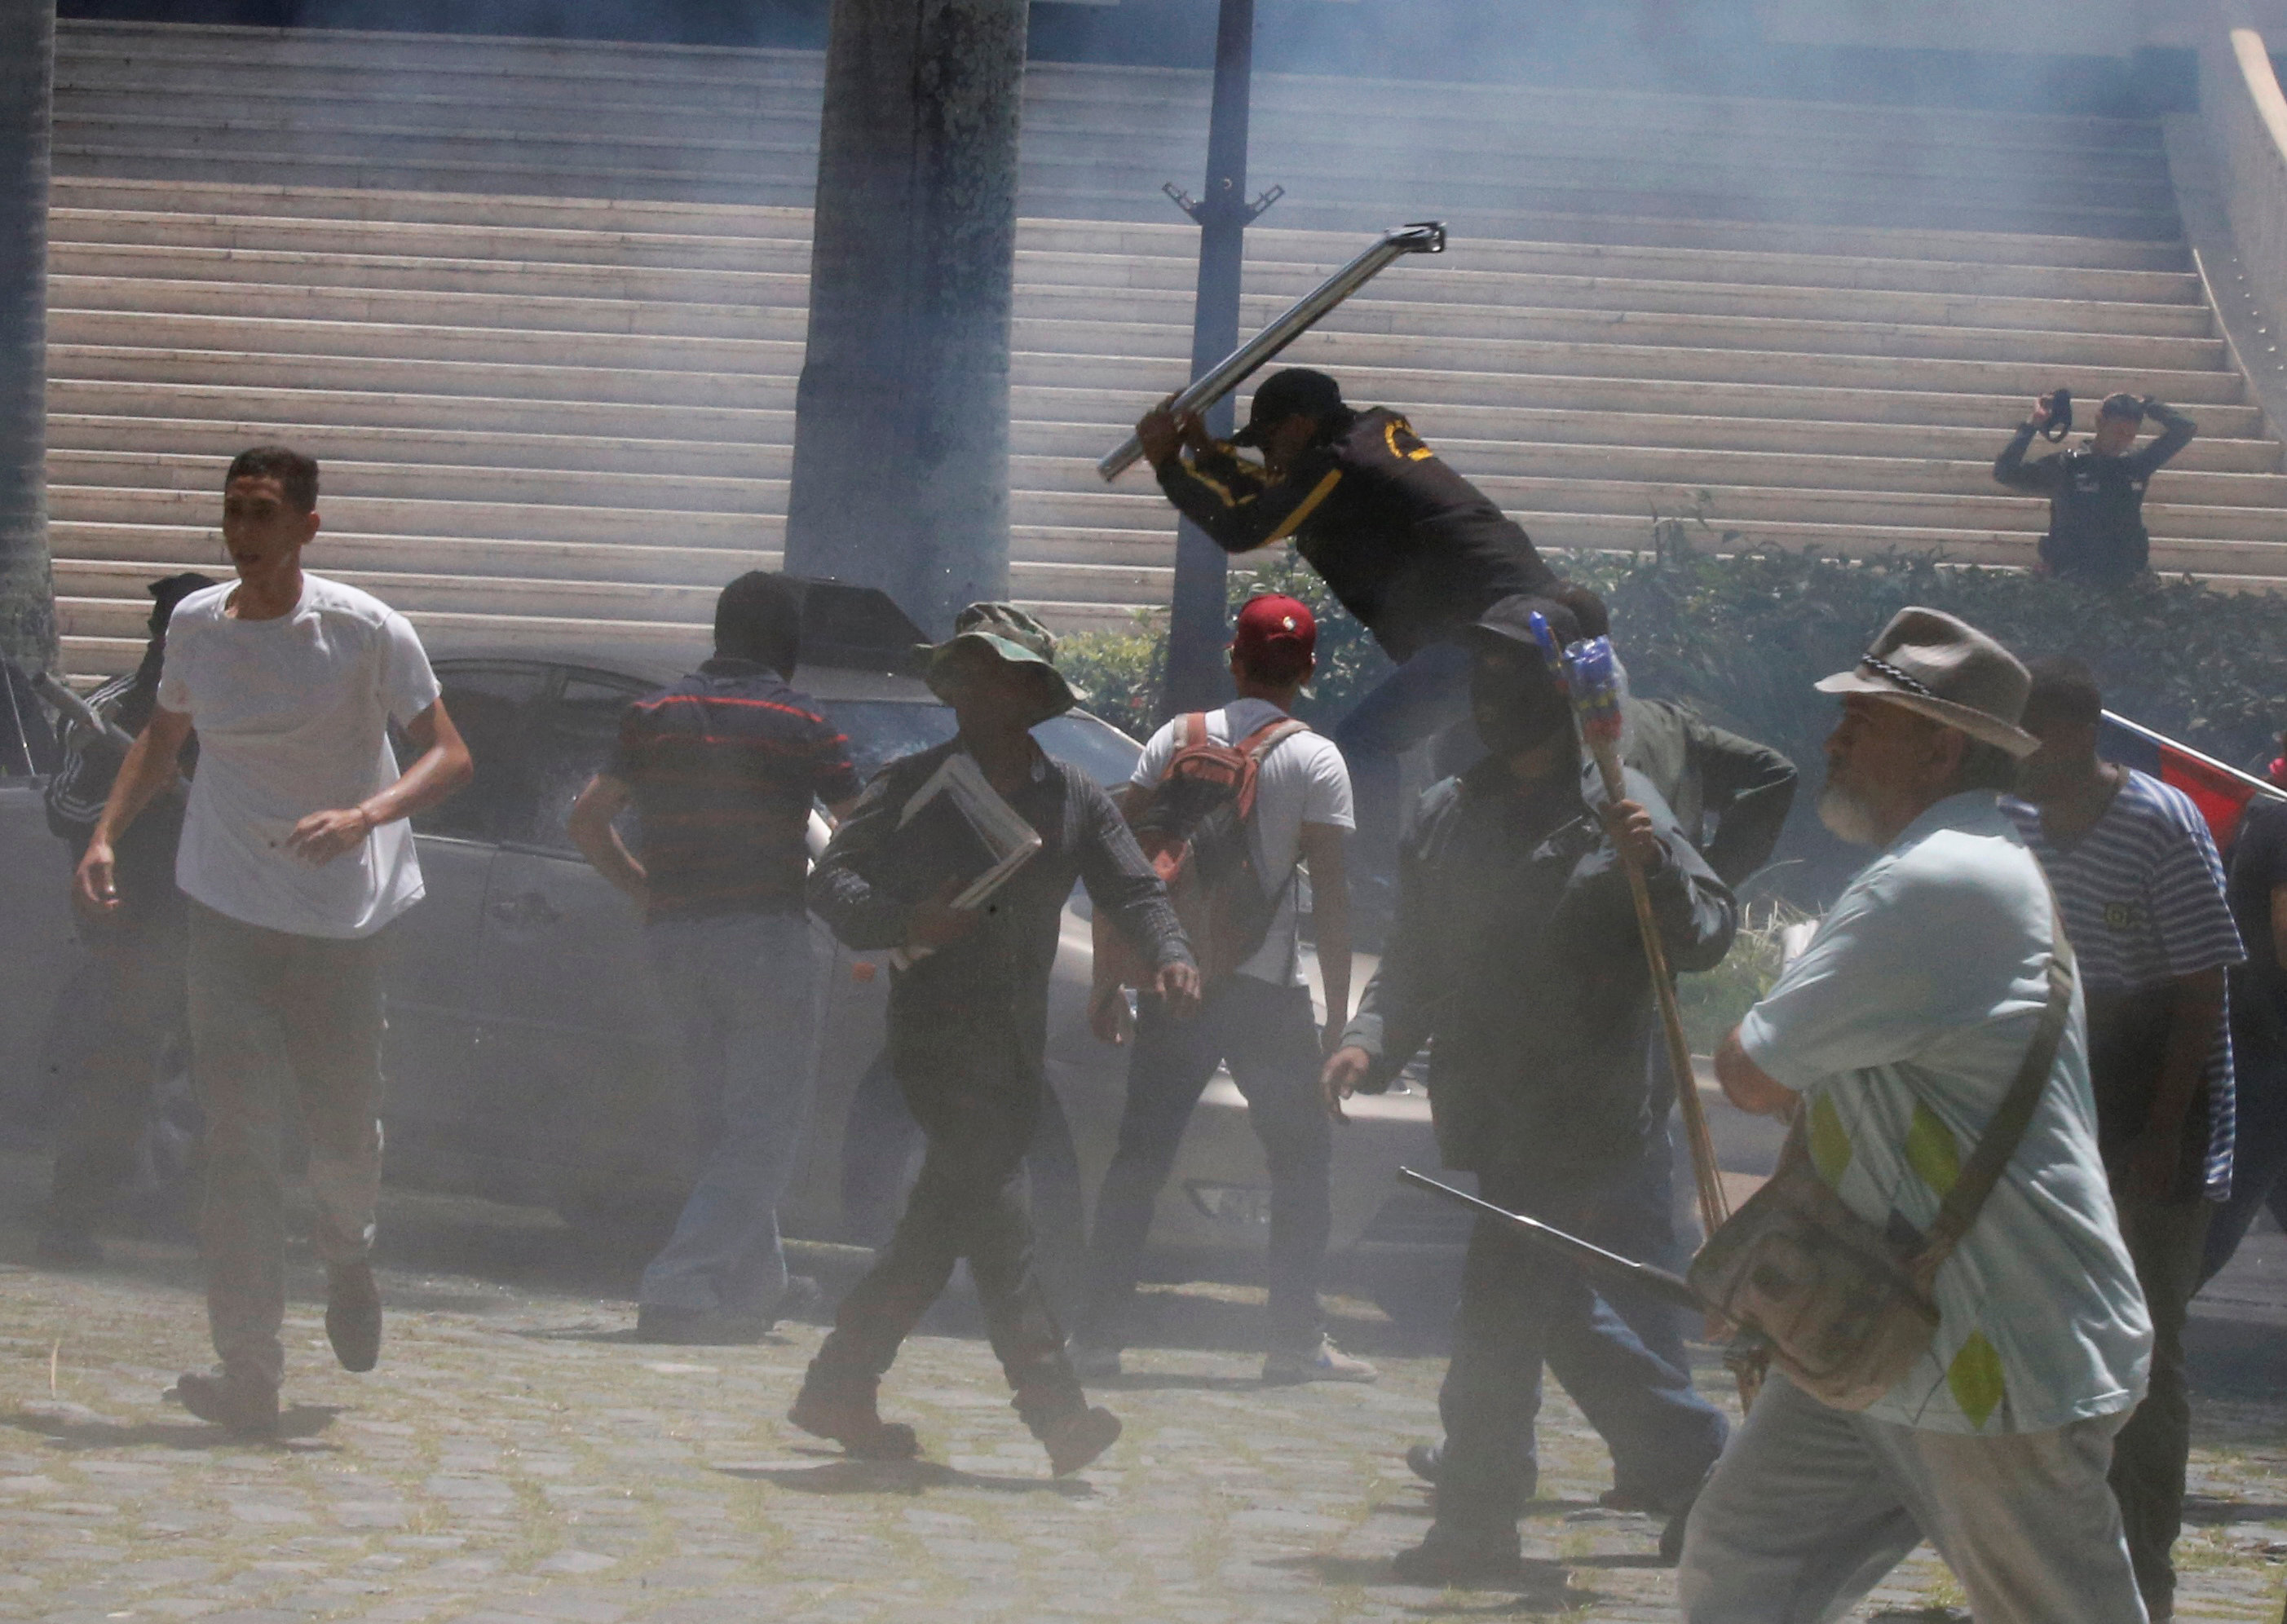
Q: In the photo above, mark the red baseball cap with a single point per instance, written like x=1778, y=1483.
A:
x=1275, y=634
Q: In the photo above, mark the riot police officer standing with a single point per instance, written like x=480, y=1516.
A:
x=2096, y=492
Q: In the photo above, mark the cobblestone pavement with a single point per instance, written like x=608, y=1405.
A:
x=517, y=1457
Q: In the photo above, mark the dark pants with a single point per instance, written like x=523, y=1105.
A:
x=1523, y=1305
x=1427, y=694
x=2164, y=1240
x=136, y=1009
x=281, y=1025
x=1641, y=1225
x=1269, y=1036
x=2258, y=1152
x=969, y=1202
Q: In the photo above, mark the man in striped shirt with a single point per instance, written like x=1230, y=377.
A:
x=2137, y=878
x=724, y=767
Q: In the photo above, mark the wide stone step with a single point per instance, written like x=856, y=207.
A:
x=662, y=495
x=1081, y=422
x=1495, y=364
x=786, y=319
x=1873, y=477
x=786, y=283
x=452, y=416
x=1449, y=335
x=135, y=363
x=596, y=455
x=757, y=175
x=1646, y=499
x=663, y=299
x=1069, y=432
x=425, y=342
x=785, y=322
x=418, y=516
x=645, y=217
x=1502, y=158
x=149, y=549
x=1444, y=402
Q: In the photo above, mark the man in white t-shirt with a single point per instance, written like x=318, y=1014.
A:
x=295, y=857
x=1257, y=1019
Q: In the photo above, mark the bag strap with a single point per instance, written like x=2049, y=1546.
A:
x=1958, y=1211
x=1269, y=736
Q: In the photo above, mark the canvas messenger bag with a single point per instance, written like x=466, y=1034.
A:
x=1846, y=1307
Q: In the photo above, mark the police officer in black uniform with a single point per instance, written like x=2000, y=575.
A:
x=1410, y=547
x=2096, y=492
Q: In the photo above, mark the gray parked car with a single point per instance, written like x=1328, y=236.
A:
x=528, y=1064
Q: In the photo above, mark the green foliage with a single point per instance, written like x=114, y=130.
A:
x=1123, y=671
x=1743, y=635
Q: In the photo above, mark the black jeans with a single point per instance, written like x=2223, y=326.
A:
x=969, y=1201
x=1523, y=1306
x=1269, y=1036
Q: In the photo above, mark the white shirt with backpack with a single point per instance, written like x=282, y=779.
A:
x=1304, y=779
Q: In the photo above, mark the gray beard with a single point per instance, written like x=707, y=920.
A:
x=1847, y=817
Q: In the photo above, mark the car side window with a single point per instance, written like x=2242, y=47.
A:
x=493, y=705
x=581, y=726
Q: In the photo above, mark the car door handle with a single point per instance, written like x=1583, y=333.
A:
x=530, y=908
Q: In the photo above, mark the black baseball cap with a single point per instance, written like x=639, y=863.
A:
x=1297, y=390
x=1510, y=622
x=168, y=591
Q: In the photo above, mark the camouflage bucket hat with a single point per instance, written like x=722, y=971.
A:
x=1006, y=633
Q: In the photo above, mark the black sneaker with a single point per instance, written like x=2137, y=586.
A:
x=1073, y=1440
x=1448, y=1559
x=246, y=1407
x=353, y=1315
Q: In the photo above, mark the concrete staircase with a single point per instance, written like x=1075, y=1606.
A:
x=539, y=308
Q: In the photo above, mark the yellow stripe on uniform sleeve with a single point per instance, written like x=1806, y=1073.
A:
x=1306, y=507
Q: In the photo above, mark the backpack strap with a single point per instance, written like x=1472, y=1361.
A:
x=1986, y=1163
x=1269, y=736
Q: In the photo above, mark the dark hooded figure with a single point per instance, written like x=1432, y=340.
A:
x=1514, y=959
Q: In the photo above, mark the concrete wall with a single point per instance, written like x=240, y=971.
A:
x=2094, y=27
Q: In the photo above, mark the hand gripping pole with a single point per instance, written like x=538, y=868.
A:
x=1423, y=237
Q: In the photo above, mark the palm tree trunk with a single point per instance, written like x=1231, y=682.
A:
x=27, y=602
x=901, y=421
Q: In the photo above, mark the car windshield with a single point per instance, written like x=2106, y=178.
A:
x=883, y=730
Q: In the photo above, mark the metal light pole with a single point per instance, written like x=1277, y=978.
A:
x=1196, y=675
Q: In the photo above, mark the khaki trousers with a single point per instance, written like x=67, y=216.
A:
x=280, y=1024
x=1811, y=1506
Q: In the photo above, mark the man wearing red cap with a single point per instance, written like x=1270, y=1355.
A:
x=1408, y=545
x=1257, y=1017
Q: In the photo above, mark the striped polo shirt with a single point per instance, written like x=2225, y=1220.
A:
x=2142, y=895
x=724, y=765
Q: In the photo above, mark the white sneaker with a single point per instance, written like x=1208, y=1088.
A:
x=1092, y=1361
x=1318, y=1361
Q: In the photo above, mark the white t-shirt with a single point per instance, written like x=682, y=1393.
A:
x=1302, y=781
x=292, y=716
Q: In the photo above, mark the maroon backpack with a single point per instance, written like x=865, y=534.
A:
x=1196, y=827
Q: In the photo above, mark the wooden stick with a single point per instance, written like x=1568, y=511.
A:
x=1715, y=1208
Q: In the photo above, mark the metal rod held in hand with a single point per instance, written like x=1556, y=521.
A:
x=1611, y=1266
x=1422, y=237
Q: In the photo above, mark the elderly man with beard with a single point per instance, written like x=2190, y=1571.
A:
x=1895, y=1038
x=1516, y=959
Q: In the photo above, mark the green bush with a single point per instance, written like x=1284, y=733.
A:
x=1123, y=671
x=1743, y=635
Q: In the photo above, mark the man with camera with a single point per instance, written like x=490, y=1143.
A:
x=2096, y=491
